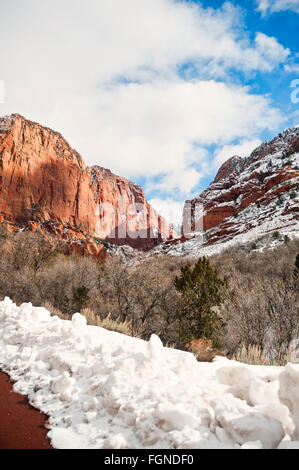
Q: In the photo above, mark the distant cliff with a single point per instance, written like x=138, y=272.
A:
x=248, y=191
x=249, y=198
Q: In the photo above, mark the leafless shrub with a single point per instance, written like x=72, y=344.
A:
x=262, y=313
x=265, y=306
x=58, y=281
x=144, y=294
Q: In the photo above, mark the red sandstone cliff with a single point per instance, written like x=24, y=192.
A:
x=45, y=185
x=124, y=215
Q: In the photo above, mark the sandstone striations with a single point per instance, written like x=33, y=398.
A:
x=45, y=186
x=247, y=192
x=125, y=217
x=249, y=198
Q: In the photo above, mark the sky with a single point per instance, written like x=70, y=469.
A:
x=160, y=91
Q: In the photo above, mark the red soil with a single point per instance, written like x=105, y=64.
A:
x=21, y=425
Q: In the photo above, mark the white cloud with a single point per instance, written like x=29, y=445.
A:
x=105, y=74
x=243, y=149
x=273, y=6
x=270, y=48
x=182, y=180
x=72, y=45
x=291, y=68
x=160, y=128
x=170, y=209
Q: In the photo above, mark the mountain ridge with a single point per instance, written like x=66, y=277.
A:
x=46, y=186
x=249, y=197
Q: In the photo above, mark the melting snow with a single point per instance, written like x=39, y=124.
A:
x=102, y=389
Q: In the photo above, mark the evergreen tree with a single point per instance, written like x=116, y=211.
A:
x=80, y=298
x=202, y=291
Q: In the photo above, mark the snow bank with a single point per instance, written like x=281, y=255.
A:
x=102, y=389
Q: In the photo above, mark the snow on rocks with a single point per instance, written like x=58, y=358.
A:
x=289, y=393
x=64, y=386
x=155, y=347
x=79, y=321
x=102, y=389
x=174, y=417
x=115, y=442
x=243, y=424
x=248, y=201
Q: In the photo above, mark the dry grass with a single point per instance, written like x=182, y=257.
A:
x=94, y=320
x=107, y=322
x=252, y=355
x=55, y=311
x=255, y=355
x=142, y=299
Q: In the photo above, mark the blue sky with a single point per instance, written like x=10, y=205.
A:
x=284, y=26
x=159, y=91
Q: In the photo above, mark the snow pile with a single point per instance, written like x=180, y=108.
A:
x=102, y=389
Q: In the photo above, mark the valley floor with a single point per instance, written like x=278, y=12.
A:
x=102, y=389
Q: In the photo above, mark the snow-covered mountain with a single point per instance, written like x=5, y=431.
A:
x=249, y=198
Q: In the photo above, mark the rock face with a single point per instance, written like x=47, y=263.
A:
x=41, y=177
x=203, y=349
x=124, y=215
x=45, y=185
x=248, y=192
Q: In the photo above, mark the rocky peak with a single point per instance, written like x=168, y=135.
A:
x=28, y=135
x=228, y=167
x=286, y=143
x=258, y=191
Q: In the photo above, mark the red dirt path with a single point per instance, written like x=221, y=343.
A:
x=21, y=425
